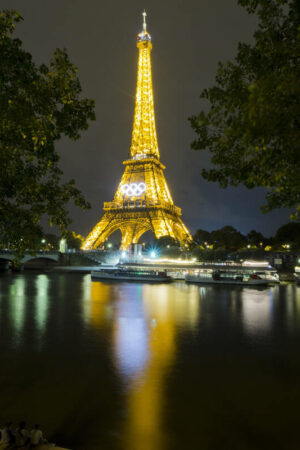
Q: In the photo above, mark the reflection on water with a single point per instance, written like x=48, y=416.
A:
x=99, y=304
x=131, y=345
x=257, y=310
x=145, y=320
x=138, y=365
x=153, y=344
x=17, y=306
x=41, y=301
x=176, y=303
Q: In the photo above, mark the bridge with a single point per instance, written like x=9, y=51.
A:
x=71, y=258
x=8, y=256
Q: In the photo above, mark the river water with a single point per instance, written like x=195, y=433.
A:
x=133, y=366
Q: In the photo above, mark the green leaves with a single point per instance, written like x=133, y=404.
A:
x=252, y=128
x=38, y=105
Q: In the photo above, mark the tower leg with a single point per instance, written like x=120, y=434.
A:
x=133, y=228
x=100, y=233
x=181, y=233
x=131, y=232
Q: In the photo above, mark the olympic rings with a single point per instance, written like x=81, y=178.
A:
x=133, y=189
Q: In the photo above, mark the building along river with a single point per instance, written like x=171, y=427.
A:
x=150, y=366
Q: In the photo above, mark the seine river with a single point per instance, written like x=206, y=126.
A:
x=150, y=367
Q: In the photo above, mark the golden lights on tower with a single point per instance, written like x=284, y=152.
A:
x=142, y=201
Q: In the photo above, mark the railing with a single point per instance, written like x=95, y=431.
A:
x=144, y=204
x=144, y=159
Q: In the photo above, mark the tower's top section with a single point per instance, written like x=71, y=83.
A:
x=144, y=139
x=144, y=36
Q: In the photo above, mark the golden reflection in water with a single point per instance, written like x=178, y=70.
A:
x=177, y=303
x=257, y=308
x=164, y=308
x=100, y=294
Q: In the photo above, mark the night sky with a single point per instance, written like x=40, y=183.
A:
x=189, y=38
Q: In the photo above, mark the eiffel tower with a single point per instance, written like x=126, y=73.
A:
x=142, y=201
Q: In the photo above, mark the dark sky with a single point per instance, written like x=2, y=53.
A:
x=189, y=38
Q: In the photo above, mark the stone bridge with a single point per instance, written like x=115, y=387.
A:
x=71, y=258
x=7, y=256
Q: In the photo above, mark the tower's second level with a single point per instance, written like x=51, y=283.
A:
x=143, y=186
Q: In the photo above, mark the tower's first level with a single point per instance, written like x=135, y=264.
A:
x=133, y=221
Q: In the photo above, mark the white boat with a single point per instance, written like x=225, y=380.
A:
x=120, y=274
x=233, y=274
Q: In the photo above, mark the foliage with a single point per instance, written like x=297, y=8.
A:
x=165, y=242
x=256, y=239
x=228, y=238
x=254, y=254
x=289, y=234
x=51, y=241
x=253, y=245
x=202, y=237
x=38, y=106
x=74, y=240
x=210, y=255
x=252, y=128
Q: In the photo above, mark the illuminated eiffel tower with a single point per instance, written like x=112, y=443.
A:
x=142, y=201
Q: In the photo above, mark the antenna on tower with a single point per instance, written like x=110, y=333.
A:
x=144, y=21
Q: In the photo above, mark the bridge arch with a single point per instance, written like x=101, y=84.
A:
x=7, y=255
x=44, y=256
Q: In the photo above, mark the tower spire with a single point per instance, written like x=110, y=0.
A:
x=144, y=137
x=144, y=21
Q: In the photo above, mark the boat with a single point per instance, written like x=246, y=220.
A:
x=297, y=274
x=233, y=274
x=120, y=274
x=219, y=277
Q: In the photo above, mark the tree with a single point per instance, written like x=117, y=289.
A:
x=252, y=127
x=74, y=240
x=202, y=237
x=51, y=241
x=289, y=236
x=210, y=255
x=228, y=238
x=38, y=106
x=256, y=238
x=165, y=242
